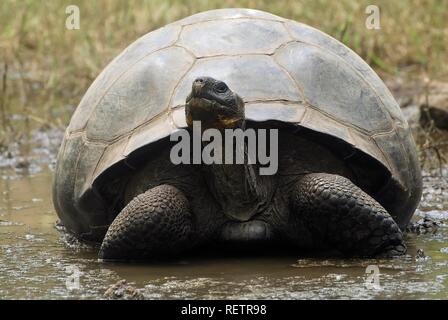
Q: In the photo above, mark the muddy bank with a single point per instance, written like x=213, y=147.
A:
x=31, y=155
x=423, y=102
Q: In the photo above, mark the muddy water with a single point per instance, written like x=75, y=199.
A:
x=38, y=262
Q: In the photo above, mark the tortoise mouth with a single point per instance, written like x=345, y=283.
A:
x=202, y=103
x=211, y=112
x=208, y=105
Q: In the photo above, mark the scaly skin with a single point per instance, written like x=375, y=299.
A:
x=342, y=216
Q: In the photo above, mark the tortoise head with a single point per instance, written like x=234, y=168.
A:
x=213, y=104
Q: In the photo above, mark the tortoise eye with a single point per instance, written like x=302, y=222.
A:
x=221, y=87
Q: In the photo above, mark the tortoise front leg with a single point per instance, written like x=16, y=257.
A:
x=154, y=224
x=341, y=216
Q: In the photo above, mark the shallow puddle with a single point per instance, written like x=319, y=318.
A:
x=37, y=262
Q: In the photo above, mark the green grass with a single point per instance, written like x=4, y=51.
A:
x=50, y=67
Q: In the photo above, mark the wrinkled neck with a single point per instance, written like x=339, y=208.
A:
x=236, y=186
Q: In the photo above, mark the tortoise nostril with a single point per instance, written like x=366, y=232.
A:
x=198, y=85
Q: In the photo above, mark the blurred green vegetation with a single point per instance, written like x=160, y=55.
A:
x=45, y=68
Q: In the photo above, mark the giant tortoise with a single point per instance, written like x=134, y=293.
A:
x=348, y=178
